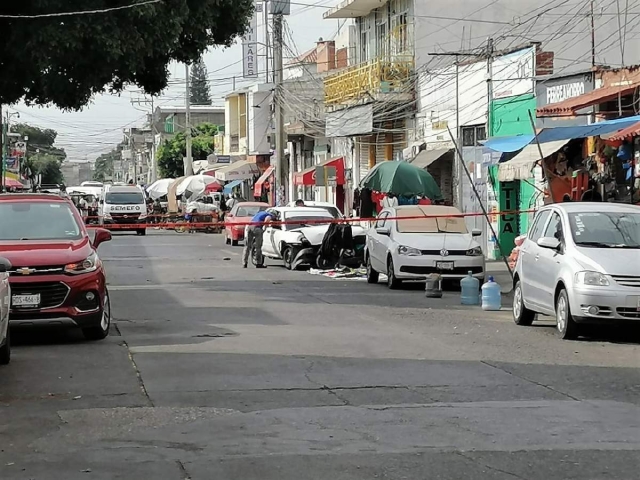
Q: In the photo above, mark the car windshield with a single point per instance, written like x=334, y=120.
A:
x=306, y=220
x=250, y=211
x=429, y=224
x=606, y=229
x=124, y=198
x=335, y=213
x=37, y=221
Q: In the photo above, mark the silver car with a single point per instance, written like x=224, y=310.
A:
x=581, y=264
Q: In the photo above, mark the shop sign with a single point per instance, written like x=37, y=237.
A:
x=223, y=159
x=559, y=93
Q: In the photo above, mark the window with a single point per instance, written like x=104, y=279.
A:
x=554, y=228
x=306, y=220
x=249, y=211
x=37, y=221
x=538, y=227
x=472, y=136
x=124, y=198
x=606, y=229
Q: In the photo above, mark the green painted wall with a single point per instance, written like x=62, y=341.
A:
x=510, y=116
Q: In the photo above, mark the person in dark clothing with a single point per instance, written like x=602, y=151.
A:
x=356, y=201
x=366, y=204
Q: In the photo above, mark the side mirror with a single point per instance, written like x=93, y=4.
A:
x=549, y=242
x=383, y=231
x=5, y=265
x=476, y=232
x=102, y=235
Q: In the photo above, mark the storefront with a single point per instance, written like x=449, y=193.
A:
x=244, y=172
x=592, y=162
x=554, y=90
x=329, y=183
x=263, y=190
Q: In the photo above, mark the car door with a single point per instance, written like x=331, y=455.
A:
x=272, y=234
x=230, y=220
x=377, y=242
x=529, y=254
x=548, y=264
x=5, y=302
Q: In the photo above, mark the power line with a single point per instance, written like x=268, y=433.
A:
x=81, y=12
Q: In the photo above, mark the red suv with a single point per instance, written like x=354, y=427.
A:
x=56, y=277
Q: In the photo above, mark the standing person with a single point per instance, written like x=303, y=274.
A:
x=231, y=202
x=253, y=238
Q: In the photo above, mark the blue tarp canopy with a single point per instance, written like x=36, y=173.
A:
x=518, y=142
x=228, y=188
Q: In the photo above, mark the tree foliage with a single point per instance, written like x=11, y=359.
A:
x=72, y=58
x=104, y=164
x=43, y=157
x=172, y=152
x=200, y=92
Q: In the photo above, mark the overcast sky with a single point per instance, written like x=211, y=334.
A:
x=98, y=128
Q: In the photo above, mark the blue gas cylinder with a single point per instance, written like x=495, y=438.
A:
x=470, y=290
x=491, y=296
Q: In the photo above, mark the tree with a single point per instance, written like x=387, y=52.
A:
x=43, y=157
x=200, y=93
x=172, y=152
x=104, y=164
x=74, y=57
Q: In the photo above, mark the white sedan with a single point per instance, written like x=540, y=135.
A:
x=412, y=242
x=299, y=238
x=5, y=305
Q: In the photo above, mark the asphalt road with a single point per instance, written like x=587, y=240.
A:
x=216, y=372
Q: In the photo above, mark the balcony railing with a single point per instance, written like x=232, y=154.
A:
x=371, y=78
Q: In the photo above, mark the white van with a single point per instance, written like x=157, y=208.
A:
x=123, y=205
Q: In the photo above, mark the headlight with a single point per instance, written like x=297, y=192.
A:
x=592, y=279
x=475, y=252
x=409, y=251
x=90, y=264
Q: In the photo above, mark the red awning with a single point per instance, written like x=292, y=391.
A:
x=308, y=177
x=573, y=105
x=257, y=188
x=631, y=131
x=213, y=187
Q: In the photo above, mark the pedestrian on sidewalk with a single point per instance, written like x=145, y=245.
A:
x=253, y=238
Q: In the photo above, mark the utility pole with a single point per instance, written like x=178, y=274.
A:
x=265, y=11
x=154, y=162
x=279, y=107
x=188, y=167
x=489, y=85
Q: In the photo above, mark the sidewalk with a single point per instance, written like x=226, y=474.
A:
x=500, y=273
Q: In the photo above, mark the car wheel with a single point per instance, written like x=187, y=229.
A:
x=234, y=243
x=5, y=350
x=566, y=325
x=521, y=314
x=287, y=258
x=372, y=275
x=142, y=232
x=392, y=282
x=102, y=331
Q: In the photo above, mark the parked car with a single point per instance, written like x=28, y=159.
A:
x=237, y=218
x=579, y=263
x=425, y=240
x=57, y=278
x=330, y=207
x=298, y=240
x=5, y=305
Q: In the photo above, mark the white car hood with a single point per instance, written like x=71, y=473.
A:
x=436, y=241
x=316, y=233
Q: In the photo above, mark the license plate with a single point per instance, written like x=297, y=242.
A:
x=444, y=265
x=26, y=300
